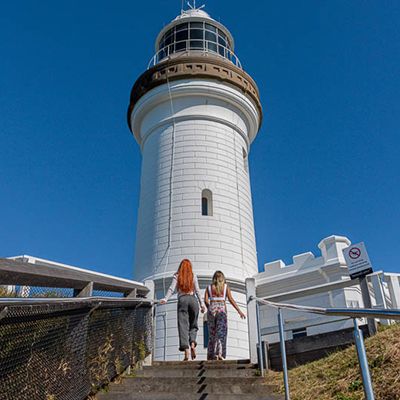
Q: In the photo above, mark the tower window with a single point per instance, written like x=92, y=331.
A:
x=245, y=161
x=206, y=202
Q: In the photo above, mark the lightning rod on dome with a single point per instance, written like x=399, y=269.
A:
x=193, y=5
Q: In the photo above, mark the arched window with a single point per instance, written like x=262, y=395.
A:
x=245, y=161
x=206, y=202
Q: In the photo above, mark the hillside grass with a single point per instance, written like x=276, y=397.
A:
x=338, y=376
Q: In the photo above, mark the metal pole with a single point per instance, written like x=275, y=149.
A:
x=283, y=354
x=363, y=361
x=367, y=304
x=260, y=349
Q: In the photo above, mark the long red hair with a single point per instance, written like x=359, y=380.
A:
x=185, y=276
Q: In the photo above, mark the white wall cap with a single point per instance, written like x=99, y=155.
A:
x=290, y=271
x=332, y=248
x=274, y=266
x=334, y=239
x=392, y=274
x=301, y=259
x=300, y=262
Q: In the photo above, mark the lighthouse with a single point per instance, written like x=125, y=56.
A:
x=194, y=114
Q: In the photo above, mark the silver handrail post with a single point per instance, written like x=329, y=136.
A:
x=283, y=354
x=260, y=349
x=363, y=361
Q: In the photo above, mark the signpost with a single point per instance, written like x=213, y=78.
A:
x=359, y=266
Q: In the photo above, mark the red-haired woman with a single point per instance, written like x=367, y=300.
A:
x=186, y=284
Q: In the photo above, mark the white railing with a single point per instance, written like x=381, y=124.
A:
x=207, y=48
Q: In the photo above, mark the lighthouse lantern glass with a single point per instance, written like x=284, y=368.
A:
x=196, y=36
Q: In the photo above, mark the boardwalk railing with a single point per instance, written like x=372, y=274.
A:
x=352, y=313
x=68, y=348
x=27, y=276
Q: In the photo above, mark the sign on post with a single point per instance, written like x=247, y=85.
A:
x=357, y=260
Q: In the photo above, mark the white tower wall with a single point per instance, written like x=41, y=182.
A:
x=195, y=135
x=191, y=142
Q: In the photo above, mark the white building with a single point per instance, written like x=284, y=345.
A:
x=194, y=114
x=321, y=281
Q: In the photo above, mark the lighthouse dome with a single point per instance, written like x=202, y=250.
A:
x=193, y=13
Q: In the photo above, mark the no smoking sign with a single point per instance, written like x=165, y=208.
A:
x=354, y=253
x=357, y=260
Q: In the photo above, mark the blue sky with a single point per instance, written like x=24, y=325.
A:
x=326, y=160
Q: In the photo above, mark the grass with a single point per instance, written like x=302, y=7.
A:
x=337, y=377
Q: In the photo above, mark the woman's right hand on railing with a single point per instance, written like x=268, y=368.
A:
x=163, y=301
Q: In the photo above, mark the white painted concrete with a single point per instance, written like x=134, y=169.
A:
x=321, y=281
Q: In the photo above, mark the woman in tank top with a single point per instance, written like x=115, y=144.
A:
x=186, y=284
x=217, y=318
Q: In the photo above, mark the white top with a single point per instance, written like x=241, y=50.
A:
x=171, y=290
x=215, y=298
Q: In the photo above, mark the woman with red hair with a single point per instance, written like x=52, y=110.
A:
x=186, y=284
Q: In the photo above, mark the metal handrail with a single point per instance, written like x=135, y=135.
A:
x=337, y=312
x=18, y=301
x=353, y=313
x=165, y=52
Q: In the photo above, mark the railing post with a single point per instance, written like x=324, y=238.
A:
x=151, y=296
x=252, y=318
x=87, y=291
x=363, y=361
x=283, y=354
x=367, y=304
x=132, y=294
x=260, y=347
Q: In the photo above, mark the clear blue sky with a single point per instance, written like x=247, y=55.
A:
x=325, y=162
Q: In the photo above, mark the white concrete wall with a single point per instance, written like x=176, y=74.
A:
x=308, y=272
x=201, y=148
x=207, y=156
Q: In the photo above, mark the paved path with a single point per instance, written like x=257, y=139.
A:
x=193, y=380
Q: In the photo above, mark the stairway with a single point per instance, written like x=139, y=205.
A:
x=193, y=380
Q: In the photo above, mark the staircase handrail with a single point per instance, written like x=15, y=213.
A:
x=353, y=313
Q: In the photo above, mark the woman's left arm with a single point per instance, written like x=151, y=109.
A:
x=233, y=302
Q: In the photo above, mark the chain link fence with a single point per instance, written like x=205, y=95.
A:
x=49, y=292
x=68, y=349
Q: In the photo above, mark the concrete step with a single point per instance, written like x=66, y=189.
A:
x=168, y=364
x=193, y=385
x=197, y=372
x=187, y=396
x=203, y=365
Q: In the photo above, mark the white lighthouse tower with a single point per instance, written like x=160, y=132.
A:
x=194, y=114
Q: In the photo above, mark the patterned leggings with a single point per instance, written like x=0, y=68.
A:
x=217, y=321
